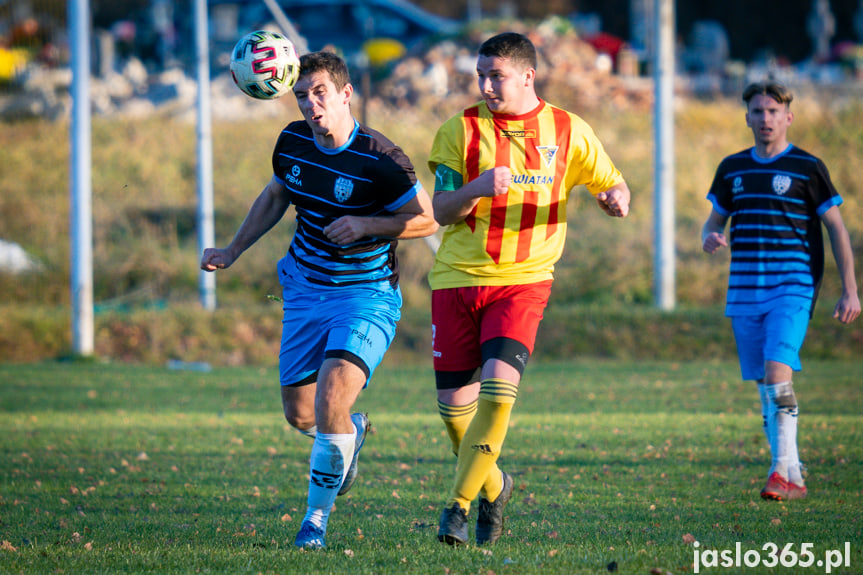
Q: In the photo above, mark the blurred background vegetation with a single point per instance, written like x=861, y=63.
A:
x=146, y=253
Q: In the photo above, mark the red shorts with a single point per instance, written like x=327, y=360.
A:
x=464, y=318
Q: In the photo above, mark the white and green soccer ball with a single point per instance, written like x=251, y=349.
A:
x=265, y=65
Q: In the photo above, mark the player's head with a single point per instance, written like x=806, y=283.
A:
x=323, y=91
x=513, y=46
x=325, y=62
x=770, y=88
x=768, y=114
x=506, y=70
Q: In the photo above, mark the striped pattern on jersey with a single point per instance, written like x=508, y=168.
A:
x=515, y=238
x=368, y=176
x=777, y=246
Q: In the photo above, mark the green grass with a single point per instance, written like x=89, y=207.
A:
x=120, y=469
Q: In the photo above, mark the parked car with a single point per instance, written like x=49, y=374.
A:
x=349, y=25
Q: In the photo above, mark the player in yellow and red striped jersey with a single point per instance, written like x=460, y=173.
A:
x=504, y=169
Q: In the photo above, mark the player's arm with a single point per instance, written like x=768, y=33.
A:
x=713, y=232
x=848, y=307
x=615, y=200
x=412, y=220
x=266, y=211
x=453, y=201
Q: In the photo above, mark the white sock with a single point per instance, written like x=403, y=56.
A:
x=795, y=468
x=329, y=462
x=782, y=429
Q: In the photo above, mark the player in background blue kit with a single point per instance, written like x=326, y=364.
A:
x=777, y=197
x=355, y=194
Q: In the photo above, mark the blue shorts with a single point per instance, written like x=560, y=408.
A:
x=356, y=324
x=774, y=336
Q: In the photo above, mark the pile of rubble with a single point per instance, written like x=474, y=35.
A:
x=131, y=92
x=571, y=73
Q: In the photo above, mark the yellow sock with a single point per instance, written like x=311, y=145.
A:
x=456, y=419
x=482, y=442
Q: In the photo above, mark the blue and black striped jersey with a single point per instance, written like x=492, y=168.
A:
x=777, y=246
x=368, y=176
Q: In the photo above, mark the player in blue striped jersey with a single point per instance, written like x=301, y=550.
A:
x=777, y=196
x=355, y=194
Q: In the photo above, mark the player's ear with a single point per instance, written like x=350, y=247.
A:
x=529, y=76
x=348, y=91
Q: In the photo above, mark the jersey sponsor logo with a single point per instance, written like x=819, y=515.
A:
x=343, y=189
x=294, y=177
x=363, y=337
x=547, y=154
x=737, y=186
x=519, y=133
x=529, y=180
x=483, y=448
x=781, y=184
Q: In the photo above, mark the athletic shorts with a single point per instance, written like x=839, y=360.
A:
x=356, y=324
x=774, y=336
x=464, y=318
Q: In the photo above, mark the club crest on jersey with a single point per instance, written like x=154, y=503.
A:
x=737, y=187
x=781, y=184
x=547, y=154
x=343, y=189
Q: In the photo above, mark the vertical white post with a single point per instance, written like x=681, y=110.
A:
x=664, y=256
x=80, y=184
x=206, y=220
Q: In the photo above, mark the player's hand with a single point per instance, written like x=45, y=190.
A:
x=614, y=202
x=847, y=308
x=216, y=259
x=496, y=181
x=713, y=241
x=346, y=230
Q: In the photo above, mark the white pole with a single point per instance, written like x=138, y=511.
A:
x=664, y=257
x=80, y=184
x=206, y=220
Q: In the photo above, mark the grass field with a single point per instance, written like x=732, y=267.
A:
x=618, y=466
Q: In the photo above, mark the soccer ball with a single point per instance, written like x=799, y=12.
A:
x=265, y=65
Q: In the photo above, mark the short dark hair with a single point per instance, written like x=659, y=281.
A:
x=516, y=47
x=326, y=62
x=775, y=90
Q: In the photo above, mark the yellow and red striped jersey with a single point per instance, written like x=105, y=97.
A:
x=515, y=238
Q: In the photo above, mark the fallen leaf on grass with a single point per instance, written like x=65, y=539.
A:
x=349, y=552
x=6, y=546
x=688, y=538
